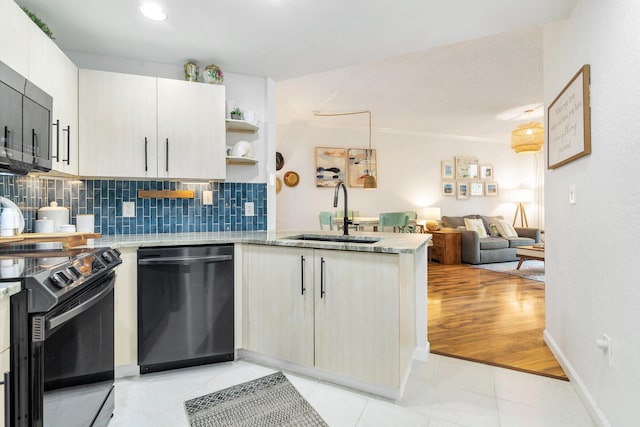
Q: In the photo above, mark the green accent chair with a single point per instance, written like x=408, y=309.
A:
x=399, y=221
x=413, y=216
x=326, y=218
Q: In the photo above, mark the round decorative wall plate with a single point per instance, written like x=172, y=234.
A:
x=278, y=184
x=279, y=161
x=291, y=179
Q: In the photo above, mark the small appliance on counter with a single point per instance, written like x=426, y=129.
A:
x=59, y=215
x=11, y=218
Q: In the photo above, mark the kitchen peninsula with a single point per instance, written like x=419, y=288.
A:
x=353, y=313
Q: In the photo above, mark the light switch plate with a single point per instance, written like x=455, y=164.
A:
x=128, y=209
x=572, y=194
x=207, y=197
x=248, y=209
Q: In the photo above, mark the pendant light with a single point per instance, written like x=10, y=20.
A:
x=528, y=138
x=370, y=182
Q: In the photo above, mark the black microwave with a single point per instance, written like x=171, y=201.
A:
x=25, y=124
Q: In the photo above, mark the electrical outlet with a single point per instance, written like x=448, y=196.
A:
x=207, y=197
x=572, y=194
x=128, y=209
x=248, y=209
x=605, y=344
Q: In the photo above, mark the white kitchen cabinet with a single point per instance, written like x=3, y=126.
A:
x=117, y=120
x=355, y=313
x=146, y=127
x=53, y=72
x=279, y=302
x=126, y=309
x=14, y=39
x=191, y=130
x=4, y=367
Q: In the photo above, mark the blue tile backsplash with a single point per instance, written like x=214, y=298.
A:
x=104, y=198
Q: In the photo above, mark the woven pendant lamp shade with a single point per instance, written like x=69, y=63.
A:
x=528, y=138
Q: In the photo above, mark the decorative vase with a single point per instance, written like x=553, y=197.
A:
x=212, y=74
x=191, y=70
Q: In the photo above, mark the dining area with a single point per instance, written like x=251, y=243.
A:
x=397, y=222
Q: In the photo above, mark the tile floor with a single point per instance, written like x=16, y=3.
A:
x=444, y=392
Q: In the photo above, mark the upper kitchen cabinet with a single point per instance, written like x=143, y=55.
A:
x=53, y=72
x=191, y=130
x=117, y=118
x=145, y=127
x=14, y=39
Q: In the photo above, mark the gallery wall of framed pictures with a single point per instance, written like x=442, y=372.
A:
x=465, y=177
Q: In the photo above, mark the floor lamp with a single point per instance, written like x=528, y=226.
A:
x=521, y=196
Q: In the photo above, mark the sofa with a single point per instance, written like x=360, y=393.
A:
x=476, y=250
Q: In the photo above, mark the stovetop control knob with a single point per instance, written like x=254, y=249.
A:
x=56, y=281
x=107, y=257
x=60, y=279
x=116, y=251
x=74, y=272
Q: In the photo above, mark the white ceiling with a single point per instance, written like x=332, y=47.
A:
x=315, y=50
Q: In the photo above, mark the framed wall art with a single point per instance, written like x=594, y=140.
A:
x=330, y=166
x=486, y=172
x=569, y=122
x=491, y=189
x=362, y=162
x=466, y=168
x=447, y=169
x=448, y=188
x=462, y=190
x=476, y=188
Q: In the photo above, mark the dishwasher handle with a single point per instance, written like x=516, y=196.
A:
x=183, y=260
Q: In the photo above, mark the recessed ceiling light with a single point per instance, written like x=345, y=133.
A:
x=153, y=11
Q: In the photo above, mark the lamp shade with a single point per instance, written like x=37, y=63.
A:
x=528, y=138
x=521, y=195
x=370, y=182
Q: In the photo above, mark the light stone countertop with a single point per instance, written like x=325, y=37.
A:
x=388, y=243
x=9, y=288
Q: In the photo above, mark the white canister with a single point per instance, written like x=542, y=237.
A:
x=84, y=223
x=58, y=214
x=44, y=225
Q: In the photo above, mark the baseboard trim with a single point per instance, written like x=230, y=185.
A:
x=422, y=354
x=307, y=371
x=122, y=371
x=576, y=381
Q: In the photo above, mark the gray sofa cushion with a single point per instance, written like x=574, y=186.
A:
x=514, y=242
x=493, y=243
x=456, y=221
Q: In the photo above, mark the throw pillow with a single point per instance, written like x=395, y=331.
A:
x=493, y=230
x=505, y=229
x=477, y=226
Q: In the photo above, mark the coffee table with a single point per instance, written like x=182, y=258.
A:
x=529, y=252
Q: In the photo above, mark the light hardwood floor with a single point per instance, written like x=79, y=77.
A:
x=490, y=317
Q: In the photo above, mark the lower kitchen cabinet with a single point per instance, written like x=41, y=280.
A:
x=4, y=349
x=347, y=320
x=279, y=302
x=4, y=367
x=126, y=309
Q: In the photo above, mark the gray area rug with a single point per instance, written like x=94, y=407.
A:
x=266, y=401
x=530, y=269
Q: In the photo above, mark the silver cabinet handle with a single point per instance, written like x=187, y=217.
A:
x=59, y=320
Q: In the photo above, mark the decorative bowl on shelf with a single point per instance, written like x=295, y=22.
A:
x=212, y=74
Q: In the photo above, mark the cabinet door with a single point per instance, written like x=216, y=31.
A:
x=126, y=309
x=53, y=72
x=14, y=40
x=191, y=130
x=117, y=124
x=356, y=315
x=278, y=312
x=4, y=367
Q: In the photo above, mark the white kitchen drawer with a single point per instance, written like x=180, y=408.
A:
x=4, y=324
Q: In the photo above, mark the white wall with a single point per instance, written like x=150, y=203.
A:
x=408, y=174
x=592, y=247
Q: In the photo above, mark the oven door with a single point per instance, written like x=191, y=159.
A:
x=76, y=371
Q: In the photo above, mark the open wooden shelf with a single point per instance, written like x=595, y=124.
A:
x=240, y=126
x=69, y=240
x=233, y=160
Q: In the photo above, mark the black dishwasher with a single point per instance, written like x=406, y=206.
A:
x=185, y=306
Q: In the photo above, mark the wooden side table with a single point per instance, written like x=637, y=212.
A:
x=446, y=247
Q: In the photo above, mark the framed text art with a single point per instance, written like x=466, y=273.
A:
x=330, y=166
x=362, y=162
x=466, y=168
x=569, y=121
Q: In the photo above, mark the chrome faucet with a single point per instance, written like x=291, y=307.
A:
x=345, y=226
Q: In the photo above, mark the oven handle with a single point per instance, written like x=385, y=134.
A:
x=185, y=259
x=59, y=320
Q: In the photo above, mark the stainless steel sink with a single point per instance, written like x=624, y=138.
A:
x=335, y=238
